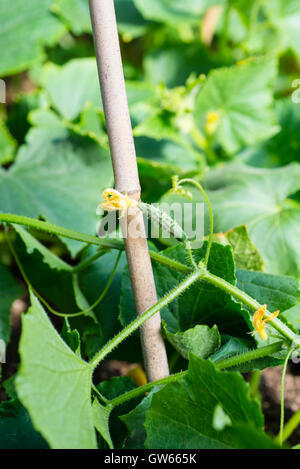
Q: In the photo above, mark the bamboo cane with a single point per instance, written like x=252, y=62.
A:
x=123, y=155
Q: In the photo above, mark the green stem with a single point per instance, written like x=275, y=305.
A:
x=127, y=331
x=291, y=426
x=280, y=438
x=60, y=231
x=221, y=365
x=211, y=216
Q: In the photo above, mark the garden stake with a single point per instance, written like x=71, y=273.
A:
x=123, y=155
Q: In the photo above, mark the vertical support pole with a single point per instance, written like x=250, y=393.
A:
x=127, y=180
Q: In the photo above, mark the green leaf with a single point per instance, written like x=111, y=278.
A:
x=277, y=291
x=58, y=176
x=10, y=291
x=242, y=97
x=200, y=341
x=16, y=428
x=258, y=197
x=195, y=398
x=174, y=11
x=72, y=86
x=54, y=384
x=245, y=254
x=22, y=36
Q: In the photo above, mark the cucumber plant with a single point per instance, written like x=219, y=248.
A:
x=215, y=119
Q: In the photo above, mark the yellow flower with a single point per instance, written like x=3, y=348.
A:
x=259, y=323
x=114, y=200
x=212, y=122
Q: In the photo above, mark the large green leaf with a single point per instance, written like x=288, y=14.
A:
x=242, y=97
x=25, y=32
x=195, y=399
x=10, y=291
x=57, y=176
x=54, y=384
x=258, y=197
